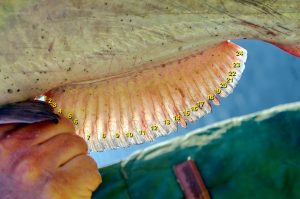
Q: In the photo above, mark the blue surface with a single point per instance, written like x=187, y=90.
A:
x=271, y=77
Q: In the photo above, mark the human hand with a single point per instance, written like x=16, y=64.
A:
x=46, y=161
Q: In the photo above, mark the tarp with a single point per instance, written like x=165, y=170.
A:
x=255, y=156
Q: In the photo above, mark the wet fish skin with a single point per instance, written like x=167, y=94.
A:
x=46, y=44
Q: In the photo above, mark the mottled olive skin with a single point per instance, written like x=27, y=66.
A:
x=47, y=44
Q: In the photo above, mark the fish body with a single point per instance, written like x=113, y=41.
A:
x=123, y=68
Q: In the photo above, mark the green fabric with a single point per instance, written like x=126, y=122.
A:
x=255, y=157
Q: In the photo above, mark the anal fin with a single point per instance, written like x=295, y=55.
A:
x=143, y=105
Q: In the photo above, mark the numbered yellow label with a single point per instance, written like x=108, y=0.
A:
x=236, y=64
x=53, y=104
x=217, y=91
x=75, y=121
x=70, y=115
x=167, y=122
x=223, y=85
x=232, y=73
x=104, y=135
x=200, y=104
x=142, y=132
x=154, y=127
x=177, y=117
x=88, y=137
x=60, y=111
x=195, y=108
x=129, y=134
x=117, y=134
x=186, y=113
x=229, y=80
x=239, y=53
x=210, y=97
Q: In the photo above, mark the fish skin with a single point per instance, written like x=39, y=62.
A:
x=47, y=44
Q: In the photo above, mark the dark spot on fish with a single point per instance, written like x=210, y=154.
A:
x=37, y=79
x=85, y=70
x=130, y=20
x=50, y=48
x=9, y=90
x=179, y=48
x=190, y=27
x=69, y=69
x=121, y=20
x=18, y=90
x=271, y=33
x=105, y=3
x=6, y=77
x=42, y=37
x=162, y=43
x=163, y=65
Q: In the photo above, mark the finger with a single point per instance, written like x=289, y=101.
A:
x=83, y=171
x=40, y=132
x=60, y=149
